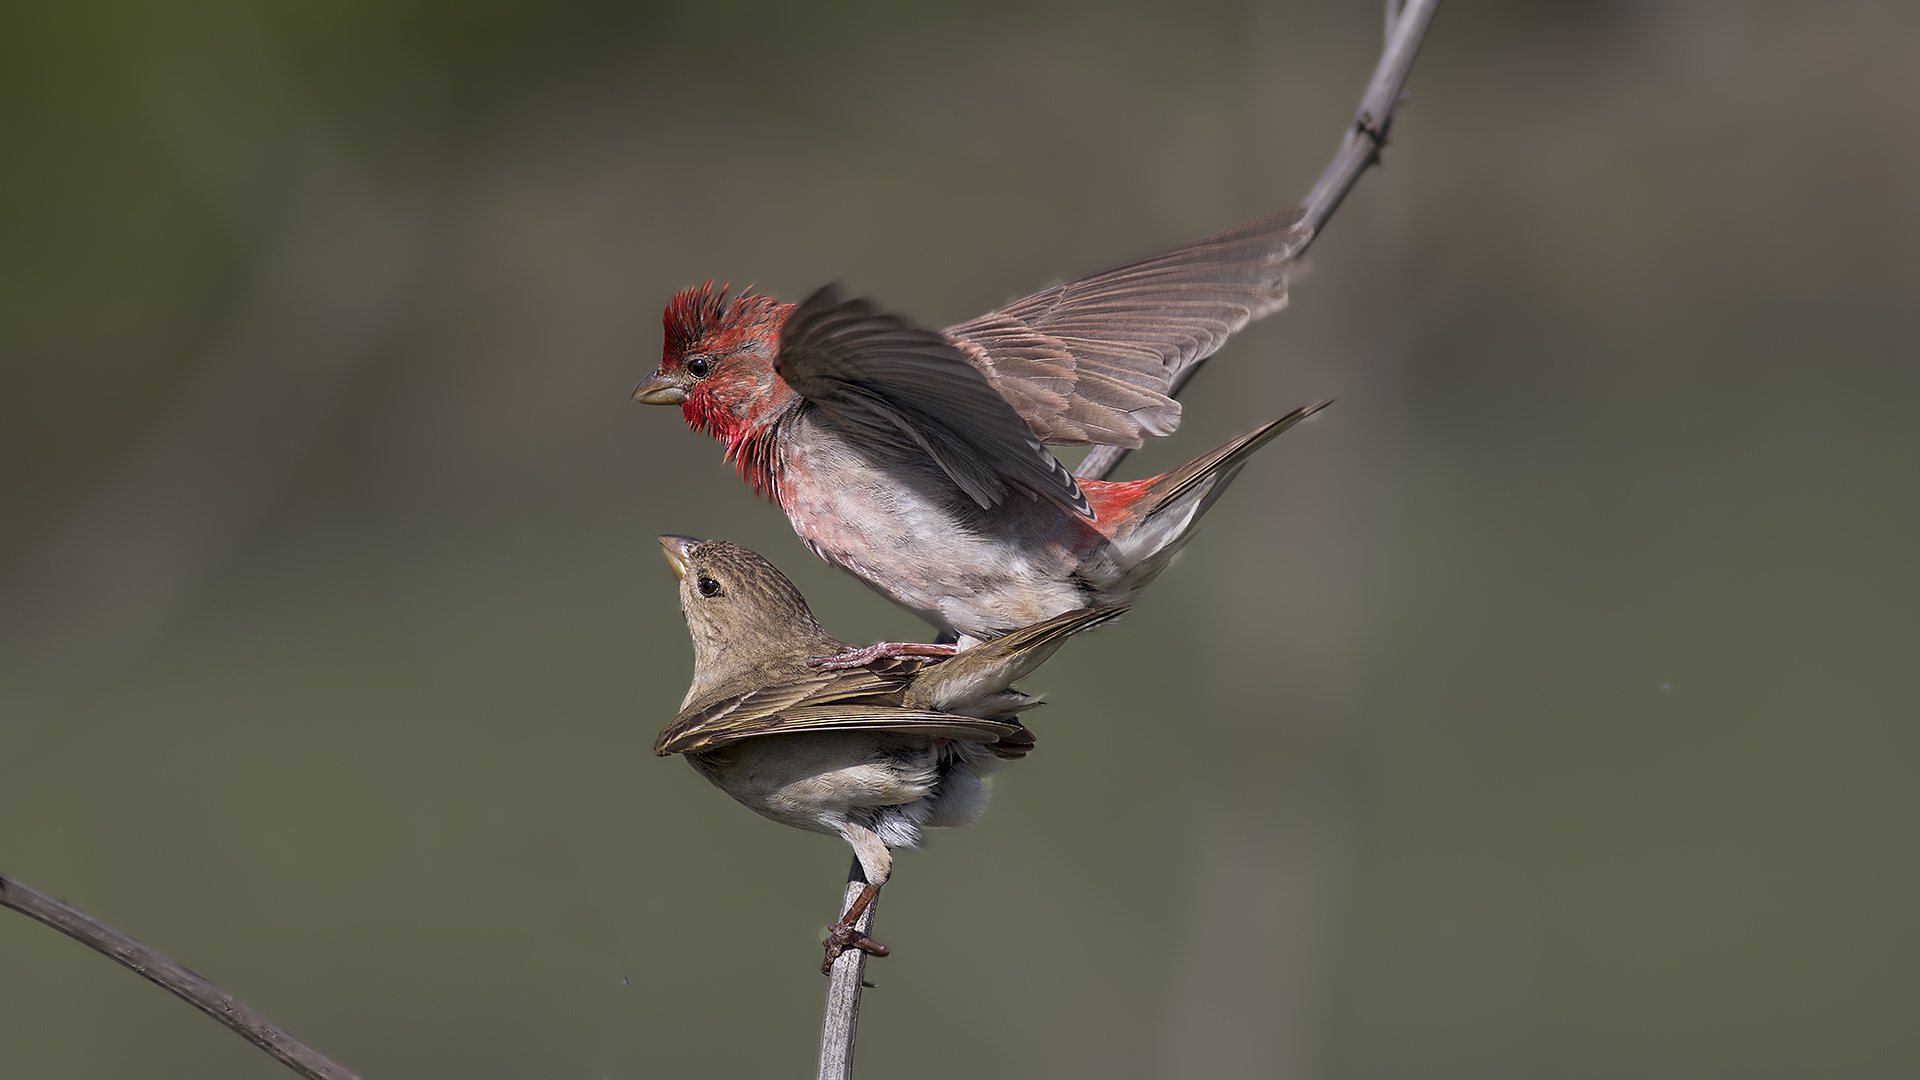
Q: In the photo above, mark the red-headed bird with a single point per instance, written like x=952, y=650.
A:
x=917, y=461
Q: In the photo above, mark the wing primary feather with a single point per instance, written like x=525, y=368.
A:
x=1141, y=323
x=911, y=390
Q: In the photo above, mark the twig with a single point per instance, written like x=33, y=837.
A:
x=843, y=990
x=197, y=991
x=1372, y=121
x=1359, y=149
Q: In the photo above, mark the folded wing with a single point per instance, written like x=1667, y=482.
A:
x=717, y=726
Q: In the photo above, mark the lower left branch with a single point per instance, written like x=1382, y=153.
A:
x=195, y=990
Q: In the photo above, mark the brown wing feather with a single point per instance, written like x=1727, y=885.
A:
x=880, y=683
x=902, y=694
x=718, y=731
x=909, y=389
x=1092, y=361
x=976, y=674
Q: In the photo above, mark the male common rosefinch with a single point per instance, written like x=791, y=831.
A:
x=915, y=460
x=873, y=753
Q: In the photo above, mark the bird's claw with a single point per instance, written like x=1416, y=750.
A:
x=842, y=938
x=884, y=650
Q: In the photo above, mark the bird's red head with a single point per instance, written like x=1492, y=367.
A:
x=717, y=365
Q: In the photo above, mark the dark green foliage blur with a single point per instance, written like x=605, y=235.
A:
x=1543, y=708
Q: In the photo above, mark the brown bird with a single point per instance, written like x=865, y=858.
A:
x=873, y=753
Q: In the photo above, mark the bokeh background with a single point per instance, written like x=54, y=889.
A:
x=1544, y=708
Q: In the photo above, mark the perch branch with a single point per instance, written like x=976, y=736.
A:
x=197, y=991
x=1359, y=149
x=843, y=990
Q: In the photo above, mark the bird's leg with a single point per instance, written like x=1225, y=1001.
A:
x=876, y=864
x=854, y=658
x=845, y=934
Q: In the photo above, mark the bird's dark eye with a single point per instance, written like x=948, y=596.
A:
x=707, y=586
x=697, y=367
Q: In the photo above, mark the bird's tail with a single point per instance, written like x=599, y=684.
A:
x=1163, y=512
x=979, y=674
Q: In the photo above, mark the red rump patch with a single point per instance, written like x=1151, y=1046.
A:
x=1115, y=501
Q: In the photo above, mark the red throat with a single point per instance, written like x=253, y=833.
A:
x=750, y=445
x=740, y=402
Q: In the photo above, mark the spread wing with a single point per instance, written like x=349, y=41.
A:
x=911, y=390
x=856, y=700
x=1093, y=360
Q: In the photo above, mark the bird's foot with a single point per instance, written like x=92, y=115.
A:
x=843, y=937
x=854, y=658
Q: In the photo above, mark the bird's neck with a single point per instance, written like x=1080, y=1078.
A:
x=723, y=669
x=746, y=415
x=751, y=434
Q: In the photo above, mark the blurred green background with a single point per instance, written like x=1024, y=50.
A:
x=1542, y=709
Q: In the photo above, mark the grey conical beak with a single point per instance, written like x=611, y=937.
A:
x=659, y=389
x=679, y=549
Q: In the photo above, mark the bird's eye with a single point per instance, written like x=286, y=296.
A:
x=697, y=367
x=707, y=586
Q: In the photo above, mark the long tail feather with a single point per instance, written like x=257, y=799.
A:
x=994, y=665
x=1224, y=459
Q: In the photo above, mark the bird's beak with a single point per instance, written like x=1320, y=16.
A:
x=659, y=389
x=678, y=549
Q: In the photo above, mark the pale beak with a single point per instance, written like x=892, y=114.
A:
x=679, y=549
x=659, y=389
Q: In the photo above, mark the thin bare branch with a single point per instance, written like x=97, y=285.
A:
x=1358, y=149
x=843, y=990
x=195, y=990
x=1372, y=121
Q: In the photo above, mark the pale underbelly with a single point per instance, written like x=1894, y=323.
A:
x=931, y=550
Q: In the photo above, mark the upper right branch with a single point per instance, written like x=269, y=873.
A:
x=1406, y=29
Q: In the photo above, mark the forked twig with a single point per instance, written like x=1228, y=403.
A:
x=195, y=990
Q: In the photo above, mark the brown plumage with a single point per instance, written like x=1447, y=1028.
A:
x=872, y=753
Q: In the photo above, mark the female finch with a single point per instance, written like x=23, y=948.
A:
x=872, y=753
